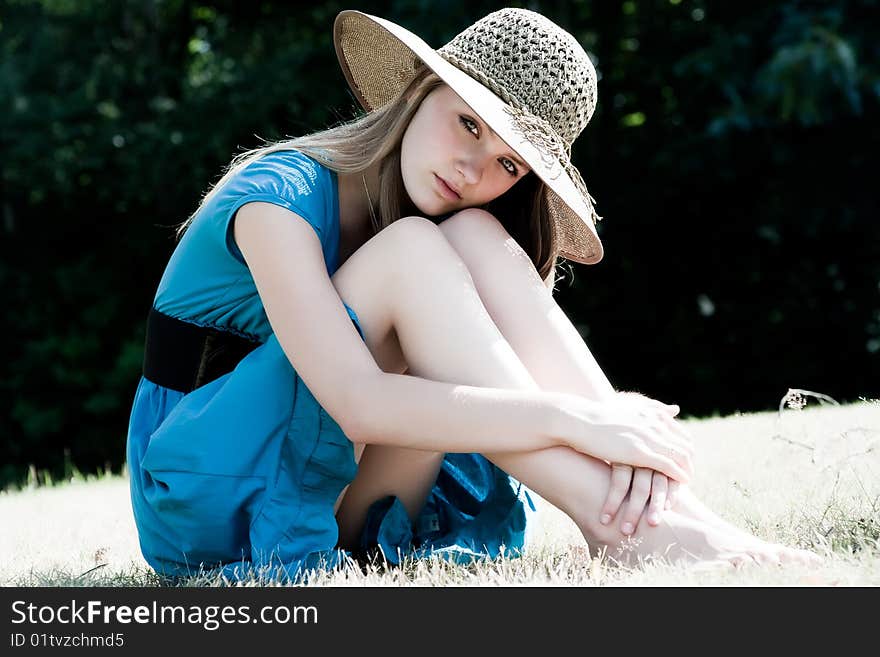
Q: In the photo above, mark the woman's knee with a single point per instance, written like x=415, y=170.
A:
x=411, y=250
x=418, y=241
x=472, y=229
x=412, y=241
x=375, y=280
x=474, y=223
x=482, y=241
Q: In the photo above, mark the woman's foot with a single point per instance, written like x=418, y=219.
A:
x=692, y=506
x=683, y=538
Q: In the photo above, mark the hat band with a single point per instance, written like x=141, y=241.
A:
x=481, y=77
x=554, y=153
x=581, y=186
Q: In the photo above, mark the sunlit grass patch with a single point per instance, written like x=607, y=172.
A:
x=805, y=476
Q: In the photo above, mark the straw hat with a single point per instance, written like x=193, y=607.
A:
x=526, y=77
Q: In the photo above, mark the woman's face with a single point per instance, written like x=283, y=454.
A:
x=445, y=139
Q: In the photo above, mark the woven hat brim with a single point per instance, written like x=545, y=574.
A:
x=378, y=58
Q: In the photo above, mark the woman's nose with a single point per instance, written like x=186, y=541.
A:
x=471, y=170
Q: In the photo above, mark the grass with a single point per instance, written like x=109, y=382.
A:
x=806, y=476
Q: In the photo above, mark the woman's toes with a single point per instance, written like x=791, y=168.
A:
x=712, y=565
x=767, y=557
x=798, y=556
x=805, y=557
x=742, y=560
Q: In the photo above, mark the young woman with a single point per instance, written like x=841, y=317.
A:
x=355, y=345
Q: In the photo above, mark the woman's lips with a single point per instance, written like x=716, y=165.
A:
x=446, y=190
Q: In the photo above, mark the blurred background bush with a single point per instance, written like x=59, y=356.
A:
x=733, y=156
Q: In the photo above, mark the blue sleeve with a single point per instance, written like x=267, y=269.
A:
x=286, y=178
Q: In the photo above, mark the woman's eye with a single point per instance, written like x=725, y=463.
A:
x=466, y=122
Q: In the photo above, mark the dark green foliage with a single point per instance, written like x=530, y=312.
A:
x=733, y=155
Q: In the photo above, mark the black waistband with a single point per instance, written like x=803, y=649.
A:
x=184, y=356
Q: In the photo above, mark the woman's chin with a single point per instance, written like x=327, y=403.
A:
x=435, y=208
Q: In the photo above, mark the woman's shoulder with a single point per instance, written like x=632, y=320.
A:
x=287, y=177
x=289, y=157
x=301, y=169
x=293, y=180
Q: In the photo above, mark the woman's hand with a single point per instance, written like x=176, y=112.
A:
x=650, y=492
x=633, y=430
x=645, y=487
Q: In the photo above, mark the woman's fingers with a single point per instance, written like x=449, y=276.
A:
x=674, y=409
x=659, y=488
x=673, y=440
x=678, y=429
x=672, y=493
x=638, y=498
x=666, y=448
x=667, y=413
x=621, y=476
x=668, y=466
x=683, y=457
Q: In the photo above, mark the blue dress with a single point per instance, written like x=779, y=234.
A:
x=241, y=474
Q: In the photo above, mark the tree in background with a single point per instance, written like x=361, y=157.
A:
x=730, y=154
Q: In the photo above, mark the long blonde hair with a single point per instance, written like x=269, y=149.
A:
x=354, y=146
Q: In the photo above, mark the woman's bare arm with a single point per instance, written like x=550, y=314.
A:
x=372, y=406
x=318, y=337
x=419, y=413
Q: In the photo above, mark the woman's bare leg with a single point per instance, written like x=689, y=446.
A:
x=434, y=310
x=535, y=326
x=434, y=313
